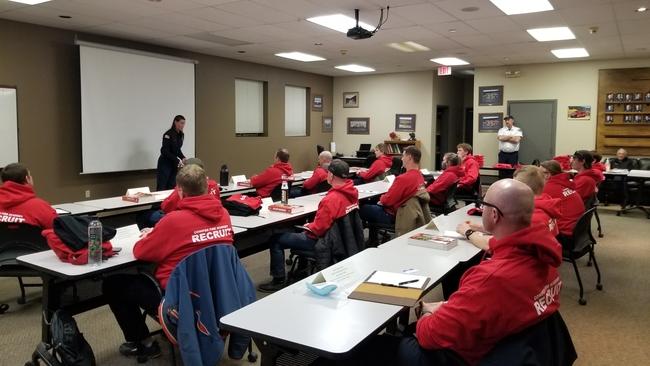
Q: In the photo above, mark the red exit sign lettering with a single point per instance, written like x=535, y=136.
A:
x=444, y=70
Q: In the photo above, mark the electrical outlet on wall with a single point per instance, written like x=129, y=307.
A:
x=88, y=193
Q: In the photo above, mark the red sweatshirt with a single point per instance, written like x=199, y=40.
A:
x=439, y=187
x=18, y=203
x=599, y=166
x=198, y=222
x=547, y=212
x=337, y=203
x=586, y=182
x=319, y=176
x=270, y=178
x=377, y=167
x=470, y=168
x=403, y=188
x=571, y=205
x=171, y=202
x=515, y=289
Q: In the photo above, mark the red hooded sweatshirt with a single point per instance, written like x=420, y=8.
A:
x=515, y=289
x=338, y=202
x=547, y=212
x=439, y=187
x=266, y=181
x=198, y=222
x=377, y=167
x=19, y=204
x=470, y=168
x=586, y=182
x=403, y=188
x=571, y=205
x=171, y=202
x=599, y=166
x=319, y=176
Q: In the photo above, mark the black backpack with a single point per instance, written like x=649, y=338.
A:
x=68, y=348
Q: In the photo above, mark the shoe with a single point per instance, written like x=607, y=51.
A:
x=140, y=350
x=273, y=286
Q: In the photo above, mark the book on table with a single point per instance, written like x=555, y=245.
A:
x=286, y=208
x=432, y=241
x=391, y=288
x=140, y=194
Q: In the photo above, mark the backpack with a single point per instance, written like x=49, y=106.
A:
x=68, y=348
x=242, y=205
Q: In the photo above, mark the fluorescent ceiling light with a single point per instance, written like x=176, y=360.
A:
x=641, y=9
x=511, y=7
x=299, y=56
x=551, y=34
x=570, y=53
x=408, y=46
x=339, y=22
x=355, y=68
x=30, y=2
x=449, y=61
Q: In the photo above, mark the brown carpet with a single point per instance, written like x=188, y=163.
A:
x=612, y=329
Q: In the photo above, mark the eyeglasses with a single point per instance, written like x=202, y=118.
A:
x=480, y=202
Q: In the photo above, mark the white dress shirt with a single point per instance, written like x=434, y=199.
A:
x=507, y=146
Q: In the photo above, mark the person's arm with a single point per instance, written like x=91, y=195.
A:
x=394, y=194
x=262, y=179
x=471, y=174
x=314, y=180
x=171, y=202
x=46, y=216
x=323, y=220
x=376, y=168
x=168, y=149
x=477, y=238
x=149, y=248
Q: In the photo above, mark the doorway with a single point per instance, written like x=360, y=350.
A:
x=537, y=120
x=441, y=134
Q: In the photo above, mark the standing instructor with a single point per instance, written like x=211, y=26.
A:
x=171, y=156
x=509, y=138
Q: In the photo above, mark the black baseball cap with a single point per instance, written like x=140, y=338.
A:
x=339, y=168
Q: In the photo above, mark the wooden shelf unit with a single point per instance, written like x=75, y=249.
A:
x=396, y=147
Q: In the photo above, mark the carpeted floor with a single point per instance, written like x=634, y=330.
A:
x=612, y=329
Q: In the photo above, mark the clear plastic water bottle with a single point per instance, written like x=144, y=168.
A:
x=95, y=243
x=285, y=190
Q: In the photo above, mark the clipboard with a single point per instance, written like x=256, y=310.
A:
x=392, y=295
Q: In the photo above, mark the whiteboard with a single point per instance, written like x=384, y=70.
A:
x=8, y=127
x=128, y=100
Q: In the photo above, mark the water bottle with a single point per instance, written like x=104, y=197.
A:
x=285, y=191
x=95, y=243
x=224, y=175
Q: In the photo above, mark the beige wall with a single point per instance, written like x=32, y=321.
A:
x=43, y=64
x=380, y=98
x=570, y=83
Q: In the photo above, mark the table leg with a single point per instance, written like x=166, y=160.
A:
x=268, y=352
x=47, y=302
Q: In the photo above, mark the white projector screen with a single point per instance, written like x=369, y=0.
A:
x=128, y=100
x=8, y=127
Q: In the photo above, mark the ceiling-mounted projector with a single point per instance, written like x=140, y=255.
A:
x=358, y=32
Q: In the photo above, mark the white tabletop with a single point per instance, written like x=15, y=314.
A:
x=331, y=325
x=372, y=189
x=76, y=209
x=266, y=217
x=112, y=203
x=639, y=173
x=616, y=172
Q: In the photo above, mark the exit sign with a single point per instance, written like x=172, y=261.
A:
x=444, y=70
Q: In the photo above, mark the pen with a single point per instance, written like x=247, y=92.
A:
x=407, y=282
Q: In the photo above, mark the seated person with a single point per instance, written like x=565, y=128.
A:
x=451, y=174
x=339, y=200
x=559, y=185
x=18, y=202
x=597, y=164
x=271, y=177
x=378, y=167
x=320, y=173
x=518, y=287
x=403, y=188
x=469, y=166
x=587, y=179
x=621, y=161
x=199, y=221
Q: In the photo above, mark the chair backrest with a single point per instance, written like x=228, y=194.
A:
x=643, y=164
x=591, y=201
x=322, y=187
x=546, y=343
x=582, y=237
x=342, y=240
x=396, y=167
x=319, y=149
x=276, y=193
x=451, y=195
x=413, y=213
x=18, y=239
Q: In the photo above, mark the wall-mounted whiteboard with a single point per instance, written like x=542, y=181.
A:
x=128, y=100
x=8, y=127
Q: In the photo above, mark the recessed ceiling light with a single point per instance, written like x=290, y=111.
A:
x=318, y=44
x=551, y=34
x=241, y=51
x=570, y=53
x=641, y=9
x=511, y=7
x=452, y=30
x=355, y=68
x=470, y=9
x=339, y=22
x=30, y=2
x=299, y=56
x=65, y=16
x=449, y=61
x=408, y=46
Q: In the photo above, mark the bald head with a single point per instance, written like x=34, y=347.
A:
x=515, y=200
x=324, y=159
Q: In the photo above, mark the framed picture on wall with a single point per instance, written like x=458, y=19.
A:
x=327, y=124
x=358, y=125
x=490, y=122
x=317, y=103
x=579, y=112
x=405, y=122
x=350, y=99
x=490, y=95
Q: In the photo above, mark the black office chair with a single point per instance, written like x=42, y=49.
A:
x=578, y=245
x=474, y=195
x=396, y=167
x=319, y=149
x=154, y=316
x=323, y=187
x=450, y=202
x=593, y=202
x=16, y=240
x=276, y=193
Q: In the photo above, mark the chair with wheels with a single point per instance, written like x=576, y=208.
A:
x=450, y=202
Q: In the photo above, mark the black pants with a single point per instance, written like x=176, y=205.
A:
x=511, y=158
x=127, y=294
x=165, y=175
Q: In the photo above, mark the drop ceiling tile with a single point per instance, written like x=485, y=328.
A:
x=626, y=10
x=183, y=42
x=634, y=41
x=494, y=25
x=582, y=32
x=443, y=28
x=128, y=31
x=306, y=28
x=519, y=36
x=479, y=40
x=423, y=14
x=183, y=20
x=296, y=8
x=260, y=13
x=635, y=27
x=164, y=26
x=539, y=20
x=221, y=17
x=485, y=9
x=596, y=14
x=8, y=5
x=50, y=17
x=176, y=5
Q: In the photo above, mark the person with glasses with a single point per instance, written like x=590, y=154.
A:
x=559, y=185
x=587, y=179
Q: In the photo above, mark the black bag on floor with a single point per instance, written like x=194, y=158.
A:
x=68, y=348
